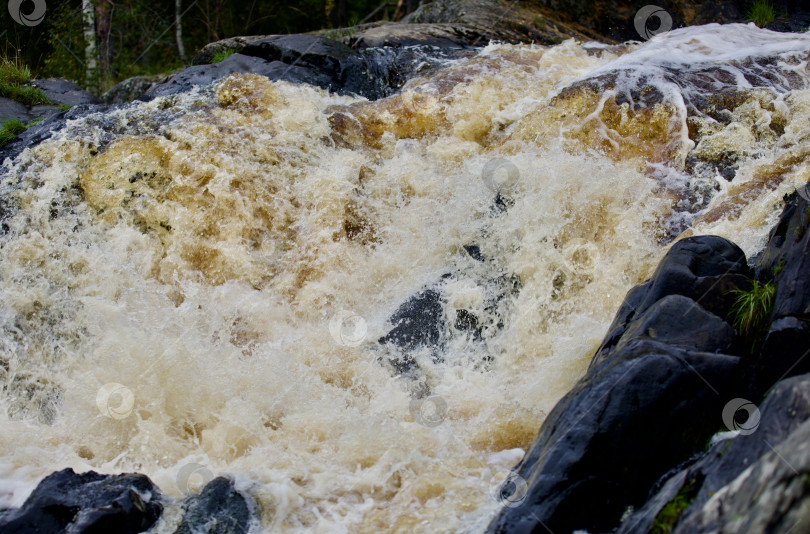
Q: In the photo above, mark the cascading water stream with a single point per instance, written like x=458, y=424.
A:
x=171, y=271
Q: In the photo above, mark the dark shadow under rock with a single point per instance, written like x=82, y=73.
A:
x=66, y=502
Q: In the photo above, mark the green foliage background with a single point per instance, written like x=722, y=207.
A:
x=142, y=37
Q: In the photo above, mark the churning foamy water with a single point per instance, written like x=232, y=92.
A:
x=195, y=285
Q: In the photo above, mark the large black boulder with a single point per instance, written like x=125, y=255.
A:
x=622, y=427
x=705, y=269
x=63, y=92
x=87, y=503
x=786, y=259
x=218, y=509
x=679, y=321
x=650, y=399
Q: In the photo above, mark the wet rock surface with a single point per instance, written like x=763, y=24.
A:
x=85, y=503
x=218, y=509
x=703, y=269
x=316, y=60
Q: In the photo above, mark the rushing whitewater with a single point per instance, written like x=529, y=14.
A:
x=201, y=280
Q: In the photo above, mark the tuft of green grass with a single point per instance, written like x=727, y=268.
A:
x=12, y=71
x=752, y=308
x=9, y=130
x=761, y=13
x=12, y=75
x=223, y=54
x=667, y=518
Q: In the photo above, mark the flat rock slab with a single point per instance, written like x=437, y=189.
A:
x=11, y=109
x=62, y=92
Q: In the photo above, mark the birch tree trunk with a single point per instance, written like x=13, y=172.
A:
x=90, y=52
x=178, y=30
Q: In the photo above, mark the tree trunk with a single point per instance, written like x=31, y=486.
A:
x=178, y=30
x=90, y=52
x=103, y=29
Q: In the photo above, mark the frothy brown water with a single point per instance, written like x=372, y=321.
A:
x=195, y=258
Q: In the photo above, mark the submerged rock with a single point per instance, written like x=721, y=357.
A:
x=218, y=509
x=85, y=503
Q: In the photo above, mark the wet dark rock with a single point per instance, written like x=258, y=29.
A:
x=476, y=22
x=66, y=502
x=782, y=412
x=678, y=321
x=65, y=93
x=419, y=322
x=131, y=88
x=303, y=58
x=786, y=260
x=773, y=496
x=705, y=269
x=218, y=509
x=625, y=424
x=44, y=129
x=403, y=35
x=186, y=79
x=785, y=352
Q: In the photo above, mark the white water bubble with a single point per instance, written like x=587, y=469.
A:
x=192, y=478
x=500, y=175
x=348, y=328
x=115, y=400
